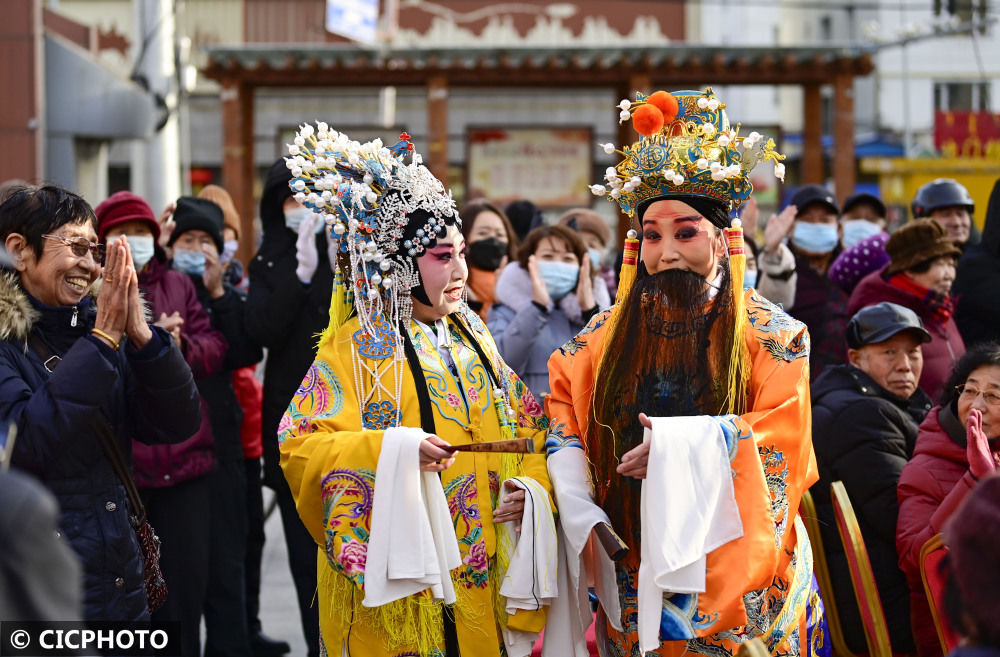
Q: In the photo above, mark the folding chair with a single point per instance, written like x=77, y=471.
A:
x=932, y=554
x=869, y=602
x=807, y=511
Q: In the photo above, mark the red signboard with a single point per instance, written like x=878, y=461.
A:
x=967, y=134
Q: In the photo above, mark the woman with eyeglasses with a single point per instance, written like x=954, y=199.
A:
x=958, y=444
x=80, y=365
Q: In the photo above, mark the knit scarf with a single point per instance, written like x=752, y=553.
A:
x=940, y=305
x=482, y=284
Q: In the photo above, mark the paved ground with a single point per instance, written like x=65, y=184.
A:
x=279, y=611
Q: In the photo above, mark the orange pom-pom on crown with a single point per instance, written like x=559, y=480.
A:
x=647, y=120
x=666, y=103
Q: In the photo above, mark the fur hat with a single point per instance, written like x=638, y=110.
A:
x=583, y=220
x=917, y=242
x=122, y=207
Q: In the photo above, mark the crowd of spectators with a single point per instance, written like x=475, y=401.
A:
x=121, y=325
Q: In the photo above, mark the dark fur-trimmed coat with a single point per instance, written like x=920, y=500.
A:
x=147, y=393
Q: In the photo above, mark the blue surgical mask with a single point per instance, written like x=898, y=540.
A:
x=228, y=251
x=749, y=279
x=815, y=238
x=560, y=277
x=295, y=216
x=595, y=257
x=142, y=247
x=856, y=230
x=189, y=262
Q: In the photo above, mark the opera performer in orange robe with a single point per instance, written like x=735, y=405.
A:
x=681, y=416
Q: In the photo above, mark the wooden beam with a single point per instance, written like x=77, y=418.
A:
x=237, y=158
x=437, y=127
x=844, y=164
x=812, y=135
x=673, y=73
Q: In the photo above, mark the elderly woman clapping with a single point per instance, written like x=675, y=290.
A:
x=73, y=368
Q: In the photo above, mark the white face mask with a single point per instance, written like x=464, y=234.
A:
x=295, y=216
x=856, y=230
x=142, y=247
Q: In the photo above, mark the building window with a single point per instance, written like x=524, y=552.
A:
x=826, y=28
x=965, y=10
x=962, y=96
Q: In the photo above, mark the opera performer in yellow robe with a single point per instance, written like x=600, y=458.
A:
x=683, y=413
x=415, y=540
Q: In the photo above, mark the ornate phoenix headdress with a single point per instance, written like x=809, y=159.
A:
x=368, y=198
x=687, y=149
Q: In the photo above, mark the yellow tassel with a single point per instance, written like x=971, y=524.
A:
x=739, y=357
x=626, y=277
x=341, y=306
x=630, y=258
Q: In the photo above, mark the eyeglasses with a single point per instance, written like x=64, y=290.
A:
x=81, y=247
x=969, y=393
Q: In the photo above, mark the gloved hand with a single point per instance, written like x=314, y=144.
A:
x=305, y=249
x=981, y=462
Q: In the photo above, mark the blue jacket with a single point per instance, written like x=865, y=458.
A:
x=148, y=394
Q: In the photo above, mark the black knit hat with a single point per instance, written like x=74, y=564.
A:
x=192, y=213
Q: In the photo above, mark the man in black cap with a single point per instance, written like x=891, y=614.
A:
x=795, y=275
x=865, y=419
x=197, y=241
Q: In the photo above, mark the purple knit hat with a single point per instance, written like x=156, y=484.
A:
x=858, y=261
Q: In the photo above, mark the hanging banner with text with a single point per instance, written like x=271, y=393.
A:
x=551, y=167
x=967, y=134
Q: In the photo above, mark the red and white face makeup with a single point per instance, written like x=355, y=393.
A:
x=675, y=236
x=444, y=272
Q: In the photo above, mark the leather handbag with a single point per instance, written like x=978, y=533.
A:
x=149, y=542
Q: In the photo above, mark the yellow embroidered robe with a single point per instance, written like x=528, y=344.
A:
x=330, y=442
x=757, y=585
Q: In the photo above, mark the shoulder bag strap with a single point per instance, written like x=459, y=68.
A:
x=111, y=448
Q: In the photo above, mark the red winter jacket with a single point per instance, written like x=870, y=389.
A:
x=250, y=393
x=204, y=349
x=946, y=345
x=932, y=485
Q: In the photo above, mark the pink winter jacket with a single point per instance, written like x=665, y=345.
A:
x=204, y=348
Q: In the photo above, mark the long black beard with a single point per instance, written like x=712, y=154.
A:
x=663, y=358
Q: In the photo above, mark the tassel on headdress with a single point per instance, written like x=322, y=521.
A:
x=630, y=258
x=739, y=371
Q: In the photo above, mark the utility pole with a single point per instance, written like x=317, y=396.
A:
x=156, y=161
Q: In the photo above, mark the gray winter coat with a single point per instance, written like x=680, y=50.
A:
x=525, y=334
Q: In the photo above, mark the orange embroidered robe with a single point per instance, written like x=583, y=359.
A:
x=757, y=585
